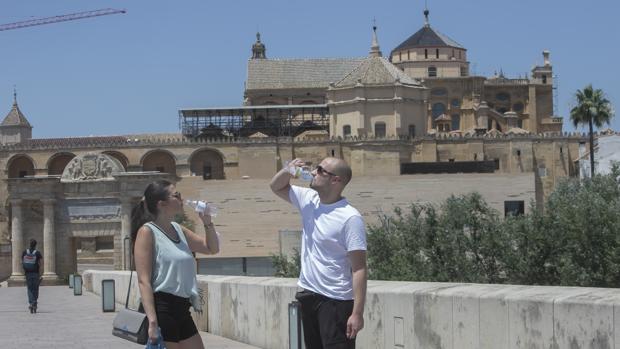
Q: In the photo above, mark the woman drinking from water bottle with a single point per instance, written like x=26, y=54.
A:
x=165, y=265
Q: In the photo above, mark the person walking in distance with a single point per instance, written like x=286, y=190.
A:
x=333, y=255
x=31, y=262
x=166, y=267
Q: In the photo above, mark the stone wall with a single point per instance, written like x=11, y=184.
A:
x=414, y=314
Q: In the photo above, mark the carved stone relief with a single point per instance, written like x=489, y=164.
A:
x=91, y=167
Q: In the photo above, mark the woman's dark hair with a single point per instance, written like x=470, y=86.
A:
x=33, y=244
x=146, y=209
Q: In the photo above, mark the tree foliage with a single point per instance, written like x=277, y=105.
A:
x=592, y=109
x=285, y=266
x=574, y=241
x=185, y=221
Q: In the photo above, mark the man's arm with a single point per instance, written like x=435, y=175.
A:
x=280, y=183
x=360, y=277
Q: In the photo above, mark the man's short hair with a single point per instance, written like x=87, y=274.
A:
x=342, y=169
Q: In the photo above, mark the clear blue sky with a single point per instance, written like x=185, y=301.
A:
x=130, y=73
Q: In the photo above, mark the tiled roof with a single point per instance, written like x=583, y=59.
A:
x=15, y=118
x=74, y=141
x=377, y=71
x=427, y=37
x=264, y=74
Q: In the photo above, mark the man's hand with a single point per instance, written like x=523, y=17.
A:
x=280, y=183
x=354, y=325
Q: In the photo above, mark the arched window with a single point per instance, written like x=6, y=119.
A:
x=411, y=130
x=463, y=70
x=380, y=129
x=440, y=91
x=159, y=160
x=207, y=163
x=20, y=166
x=57, y=163
x=432, y=72
x=346, y=130
x=518, y=107
x=438, y=109
x=437, y=53
x=425, y=53
x=456, y=122
x=502, y=96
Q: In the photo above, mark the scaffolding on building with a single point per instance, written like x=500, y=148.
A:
x=258, y=121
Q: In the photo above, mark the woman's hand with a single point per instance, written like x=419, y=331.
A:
x=153, y=332
x=205, y=217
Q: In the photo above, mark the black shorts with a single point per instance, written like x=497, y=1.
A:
x=173, y=317
x=324, y=321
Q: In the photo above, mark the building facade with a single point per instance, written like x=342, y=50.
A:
x=415, y=117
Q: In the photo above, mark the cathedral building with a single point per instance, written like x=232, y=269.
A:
x=414, y=125
x=423, y=87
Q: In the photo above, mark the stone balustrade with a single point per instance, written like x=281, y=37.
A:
x=254, y=310
x=180, y=140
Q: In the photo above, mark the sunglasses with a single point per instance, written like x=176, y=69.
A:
x=176, y=195
x=320, y=170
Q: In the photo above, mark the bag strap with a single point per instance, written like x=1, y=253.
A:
x=128, y=289
x=133, y=267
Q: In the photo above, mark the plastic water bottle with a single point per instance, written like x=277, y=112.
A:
x=304, y=173
x=157, y=345
x=202, y=207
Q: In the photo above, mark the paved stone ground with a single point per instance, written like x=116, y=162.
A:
x=67, y=321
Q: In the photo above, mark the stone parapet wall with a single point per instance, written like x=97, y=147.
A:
x=414, y=314
x=179, y=139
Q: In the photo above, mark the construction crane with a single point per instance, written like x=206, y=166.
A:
x=61, y=18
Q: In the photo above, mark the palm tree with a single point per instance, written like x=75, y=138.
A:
x=593, y=109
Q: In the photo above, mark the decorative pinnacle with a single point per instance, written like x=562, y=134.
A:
x=375, y=50
x=14, y=95
x=426, y=12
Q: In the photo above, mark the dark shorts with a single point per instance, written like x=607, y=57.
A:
x=173, y=317
x=324, y=321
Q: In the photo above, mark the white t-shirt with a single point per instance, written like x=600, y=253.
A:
x=329, y=232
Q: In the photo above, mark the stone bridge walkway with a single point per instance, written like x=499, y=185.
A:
x=67, y=321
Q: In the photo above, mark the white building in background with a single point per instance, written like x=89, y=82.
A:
x=606, y=153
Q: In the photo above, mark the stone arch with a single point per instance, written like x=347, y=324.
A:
x=159, y=160
x=57, y=163
x=208, y=163
x=118, y=156
x=20, y=165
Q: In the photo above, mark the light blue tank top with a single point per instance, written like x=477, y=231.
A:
x=174, y=267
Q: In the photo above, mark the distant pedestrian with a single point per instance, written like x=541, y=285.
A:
x=31, y=262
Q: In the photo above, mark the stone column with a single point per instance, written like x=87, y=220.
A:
x=126, y=205
x=49, y=240
x=17, y=239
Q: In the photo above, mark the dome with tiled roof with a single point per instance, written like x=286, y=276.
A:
x=427, y=37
